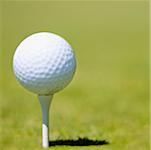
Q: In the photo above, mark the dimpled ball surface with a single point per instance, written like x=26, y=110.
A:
x=44, y=63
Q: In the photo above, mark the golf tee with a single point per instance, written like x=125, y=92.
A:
x=45, y=101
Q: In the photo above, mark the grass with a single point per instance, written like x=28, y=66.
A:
x=108, y=98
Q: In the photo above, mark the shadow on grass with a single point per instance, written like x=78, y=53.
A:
x=78, y=142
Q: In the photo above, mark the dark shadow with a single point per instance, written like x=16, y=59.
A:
x=78, y=142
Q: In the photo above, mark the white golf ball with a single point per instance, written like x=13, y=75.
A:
x=44, y=63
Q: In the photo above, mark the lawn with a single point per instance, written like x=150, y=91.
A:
x=108, y=99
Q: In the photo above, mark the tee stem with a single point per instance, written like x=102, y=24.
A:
x=45, y=101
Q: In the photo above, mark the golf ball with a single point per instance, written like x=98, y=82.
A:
x=44, y=63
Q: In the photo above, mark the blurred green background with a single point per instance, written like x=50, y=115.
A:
x=108, y=98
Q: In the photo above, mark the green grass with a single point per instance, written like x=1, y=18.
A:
x=108, y=98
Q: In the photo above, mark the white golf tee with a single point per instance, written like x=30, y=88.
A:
x=45, y=101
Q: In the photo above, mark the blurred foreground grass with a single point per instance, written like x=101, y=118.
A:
x=108, y=98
